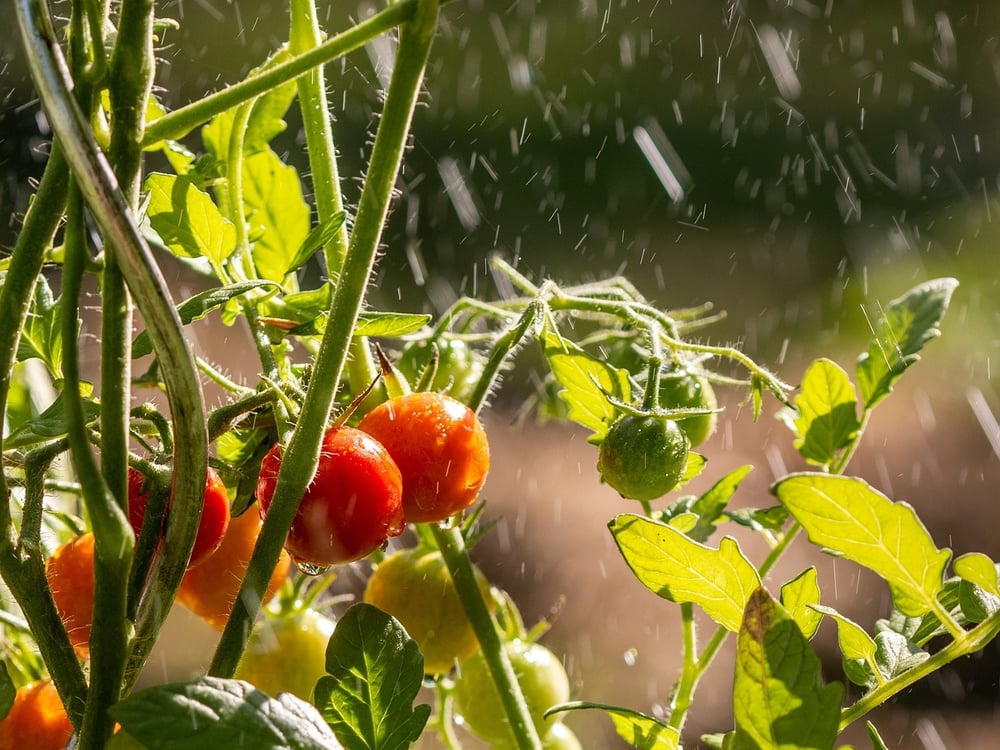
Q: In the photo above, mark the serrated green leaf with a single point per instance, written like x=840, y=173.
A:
x=799, y=596
x=975, y=603
x=41, y=336
x=187, y=220
x=779, y=700
x=847, y=516
x=200, y=305
x=637, y=729
x=268, y=113
x=371, y=324
x=585, y=381
x=905, y=327
x=827, y=420
x=317, y=238
x=211, y=713
x=712, y=503
x=978, y=569
x=694, y=464
x=857, y=648
x=895, y=654
x=679, y=569
x=277, y=214
x=759, y=519
x=376, y=671
x=51, y=424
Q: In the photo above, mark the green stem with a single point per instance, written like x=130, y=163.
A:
x=690, y=671
x=969, y=642
x=302, y=454
x=113, y=539
x=503, y=346
x=456, y=557
x=182, y=121
x=111, y=212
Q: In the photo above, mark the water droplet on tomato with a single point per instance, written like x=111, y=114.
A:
x=311, y=569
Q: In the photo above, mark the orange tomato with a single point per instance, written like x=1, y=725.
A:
x=37, y=720
x=70, y=573
x=210, y=589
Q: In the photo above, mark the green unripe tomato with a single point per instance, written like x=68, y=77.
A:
x=560, y=737
x=682, y=389
x=415, y=587
x=458, y=369
x=542, y=679
x=287, y=653
x=643, y=457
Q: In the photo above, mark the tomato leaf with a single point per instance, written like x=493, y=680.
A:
x=857, y=648
x=637, y=729
x=850, y=518
x=905, y=327
x=187, y=220
x=211, y=713
x=586, y=383
x=198, y=306
x=376, y=671
x=317, y=238
x=876, y=739
x=827, y=420
x=679, y=569
x=41, y=336
x=277, y=214
x=779, y=700
x=51, y=424
x=267, y=116
x=710, y=506
x=375, y=324
x=798, y=597
x=978, y=569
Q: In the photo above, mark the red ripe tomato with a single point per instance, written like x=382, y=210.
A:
x=36, y=720
x=351, y=507
x=70, y=573
x=210, y=589
x=441, y=449
x=214, y=514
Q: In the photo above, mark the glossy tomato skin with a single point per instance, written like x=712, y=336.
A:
x=210, y=589
x=441, y=449
x=351, y=507
x=36, y=720
x=70, y=574
x=287, y=653
x=214, y=514
x=543, y=682
x=643, y=458
x=415, y=587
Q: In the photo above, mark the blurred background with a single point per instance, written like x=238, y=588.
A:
x=795, y=162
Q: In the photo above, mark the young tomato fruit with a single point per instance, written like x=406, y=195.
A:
x=415, y=587
x=458, y=367
x=36, y=720
x=287, y=653
x=643, y=458
x=683, y=389
x=441, y=449
x=351, y=507
x=214, y=513
x=210, y=589
x=542, y=679
x=70, y=573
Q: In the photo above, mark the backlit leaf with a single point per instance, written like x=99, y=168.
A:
x=827, y=420
x=187, y=220
x=798, y=597
x=637, y=729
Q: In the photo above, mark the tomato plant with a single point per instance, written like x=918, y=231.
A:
x=456, y=372
x=681, y=388
x=542, y=679
x=352, y=505
x=415, y=586
x=214, y=513
x=297, y=637
x=643, y=458
x=70, y=574
x=36, y=719
x=440, y=447
x=210, y=589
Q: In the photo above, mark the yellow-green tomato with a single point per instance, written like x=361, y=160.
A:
x=287, y=653
x=542, y=679
x=415, y=587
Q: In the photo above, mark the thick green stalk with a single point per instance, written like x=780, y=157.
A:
x=182, y=121
x=110, y=209
x=112, y=534
x=456, y=557
x=303, y=36
x=302, y=453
